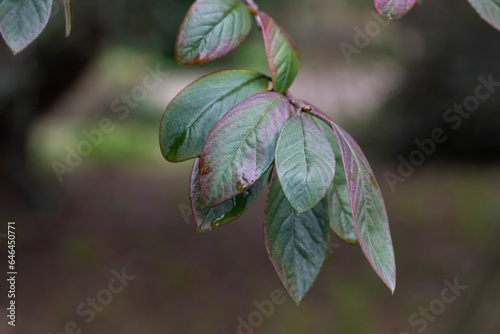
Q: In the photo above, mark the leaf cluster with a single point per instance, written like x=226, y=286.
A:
x=245, y=131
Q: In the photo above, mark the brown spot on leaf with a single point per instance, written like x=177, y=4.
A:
x=373, y=181
x=199, y=60
x=252, y=10
x=204, y=168
x=242, y=184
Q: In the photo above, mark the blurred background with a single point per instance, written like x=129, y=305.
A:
x=123, y=206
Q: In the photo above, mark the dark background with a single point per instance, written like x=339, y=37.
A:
x=123, y=206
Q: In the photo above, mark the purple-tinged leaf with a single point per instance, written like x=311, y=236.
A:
x=394, y=9
x=240, y=148
x=282, y=54
x=339, y=206
x=296, y=243
x=212, y=29
x=305, y=163
x=209, y=219
x=489, y=10
x=368, y=208
x=193, y=113
x=21, y=21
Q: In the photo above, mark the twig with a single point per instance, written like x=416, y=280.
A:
x=320, y=116
x=301, y=107
x=293, y=101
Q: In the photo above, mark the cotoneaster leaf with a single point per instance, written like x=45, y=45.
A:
x=394, y=9
x=305, y=163
x=21, y=21
x=212, y=29
x=241, y=146
x=296, y=243
x=489, y=10
x=209, y=219
x=368, y=208
x=282, y=54
x=339, y=206
x=193, y=113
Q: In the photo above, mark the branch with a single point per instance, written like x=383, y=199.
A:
x=301, y=107
x=320, y=116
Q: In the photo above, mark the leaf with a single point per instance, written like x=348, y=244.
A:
x=21, y=21
x=489, y=10
x=282, y=54
x=305, y=163
x=368, y=208
x=212, y=29
x=193, y=113
x=209, y=219
x=241, y=146
x=394, y=9
x=296, y=243
x=339, y=207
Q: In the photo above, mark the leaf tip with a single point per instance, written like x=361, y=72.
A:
x=392, y=287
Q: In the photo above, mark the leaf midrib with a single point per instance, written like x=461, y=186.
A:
x=268, y=108
x=377, y=257
x=223, y=97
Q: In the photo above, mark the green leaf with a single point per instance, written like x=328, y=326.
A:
x=240, y=148
x=209, y=219
x=193, y=113
x=304, y=162
x=489, y=10
x=368, y=208
x=339, y=207
x=212, y=29
x=296, y=243
x=394, y=9
x=282, y=54
x=21, y=21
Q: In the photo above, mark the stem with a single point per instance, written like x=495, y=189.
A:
x=254, y=10
x=301, y=107
x=321, y=117
x=252, y=5
x=293, y=101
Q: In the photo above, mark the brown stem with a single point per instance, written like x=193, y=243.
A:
x=294, y=102
x=301, y=107
x=322, y=117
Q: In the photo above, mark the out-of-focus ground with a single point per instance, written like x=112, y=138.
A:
x=123, y=206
